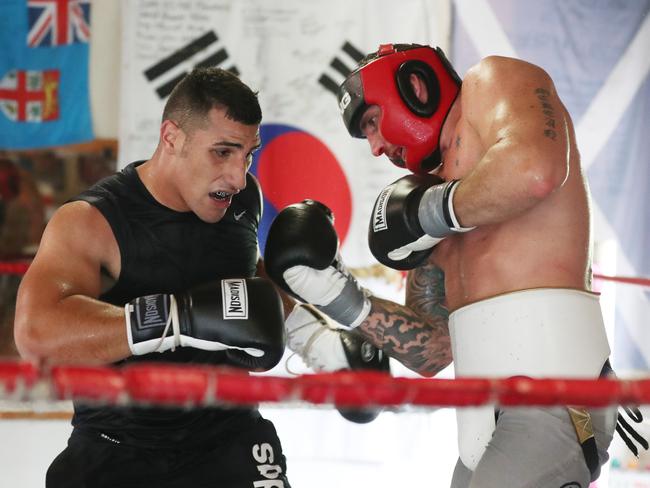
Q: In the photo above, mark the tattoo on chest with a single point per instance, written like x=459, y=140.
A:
x=457, y=144
x=426, y=291
x=543, y=96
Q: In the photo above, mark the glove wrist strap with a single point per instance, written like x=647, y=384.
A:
x=350, y=308
x=365, y=311
x=436, y=211
x=148, y=322
x=456, y=227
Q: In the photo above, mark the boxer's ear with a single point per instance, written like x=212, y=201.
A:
x=171, y=136
x=419, y=88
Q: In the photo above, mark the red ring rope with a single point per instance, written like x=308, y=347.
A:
x=628, y=280
x=196, y=385
x=173, y=385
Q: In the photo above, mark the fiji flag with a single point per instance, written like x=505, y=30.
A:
x=44, y=98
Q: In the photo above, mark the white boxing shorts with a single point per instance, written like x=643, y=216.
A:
x=540, y=332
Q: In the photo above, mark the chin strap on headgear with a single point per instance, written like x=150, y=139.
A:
x=383, y=79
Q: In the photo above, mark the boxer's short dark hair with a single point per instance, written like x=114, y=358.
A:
x=206, y=88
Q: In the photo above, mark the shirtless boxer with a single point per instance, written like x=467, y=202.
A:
x=495, y=230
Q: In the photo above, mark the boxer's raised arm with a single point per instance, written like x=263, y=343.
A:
x=60, y=319
x=58, y=315
x=519, y=119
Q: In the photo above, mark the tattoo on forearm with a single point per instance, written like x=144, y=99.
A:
x=416, y=334
x=549, y=112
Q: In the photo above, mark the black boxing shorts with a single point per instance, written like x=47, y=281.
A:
x=248, y=458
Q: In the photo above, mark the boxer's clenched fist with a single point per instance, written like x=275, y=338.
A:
x=411, y=216
x=242, y=317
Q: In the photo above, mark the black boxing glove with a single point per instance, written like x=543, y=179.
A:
x=411, y=216
x=323, y=347
x=301, y=256
x=241, y=316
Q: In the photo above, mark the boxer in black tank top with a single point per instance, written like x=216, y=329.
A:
x=184, y=219
x=153, y=242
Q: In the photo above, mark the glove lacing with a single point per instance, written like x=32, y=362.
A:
x=172, y=320
x=310, y=361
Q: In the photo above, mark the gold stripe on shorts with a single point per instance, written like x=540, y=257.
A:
x=581, y=419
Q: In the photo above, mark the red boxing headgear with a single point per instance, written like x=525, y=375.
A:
x=384, y=80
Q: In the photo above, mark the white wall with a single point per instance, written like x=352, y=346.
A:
x=27, y=448
x=405, y=449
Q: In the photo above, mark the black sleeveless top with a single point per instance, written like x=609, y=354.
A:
x=164, y=251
